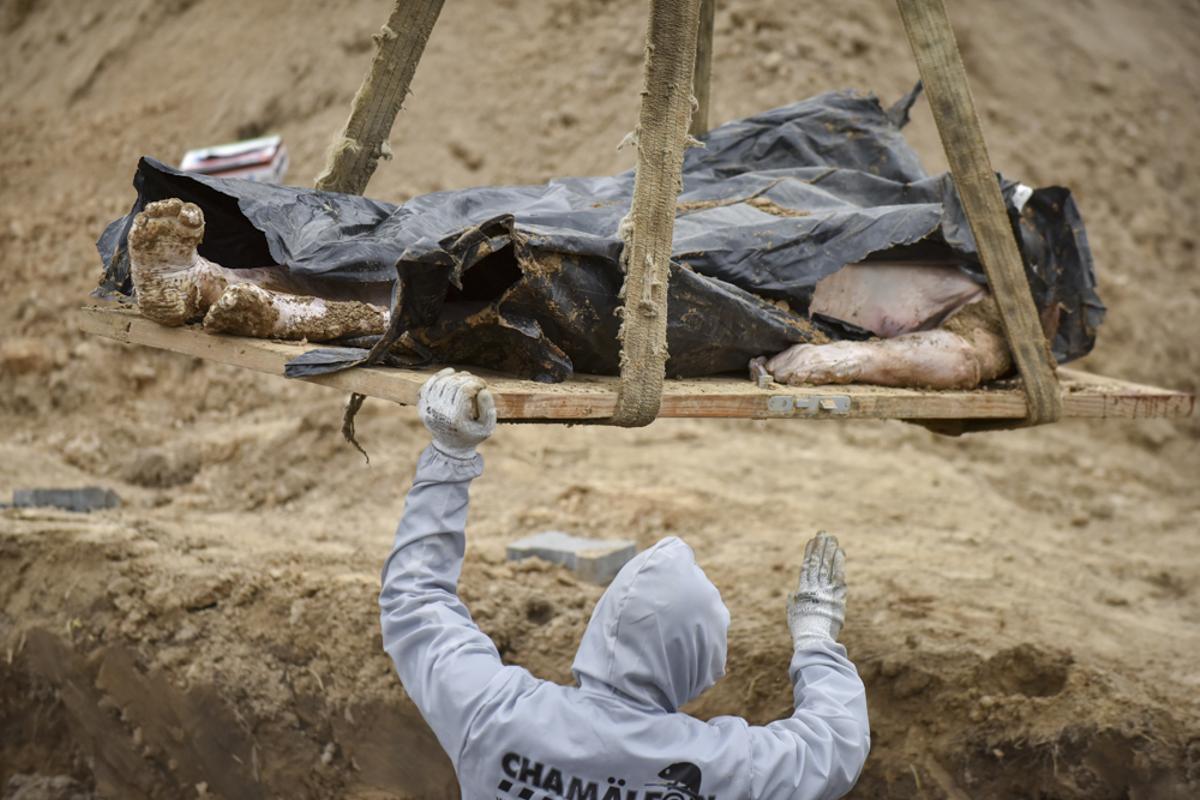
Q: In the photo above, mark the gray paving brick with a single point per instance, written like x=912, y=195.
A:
x=87, y=498
x=594, y=560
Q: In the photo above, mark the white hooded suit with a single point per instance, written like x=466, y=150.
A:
x=656, y=640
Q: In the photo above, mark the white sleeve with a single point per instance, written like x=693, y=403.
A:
x=819, y=751
x=445, y=662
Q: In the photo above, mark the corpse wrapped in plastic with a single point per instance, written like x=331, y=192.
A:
x=811, y=224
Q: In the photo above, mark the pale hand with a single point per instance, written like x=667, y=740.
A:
x=458, y=410
x=817, y=609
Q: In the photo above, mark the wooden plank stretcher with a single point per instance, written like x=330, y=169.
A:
x=594, y=397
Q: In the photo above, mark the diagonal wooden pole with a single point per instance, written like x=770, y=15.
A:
x=945, y=78
x=364, y=140
x=702, y=74
x=648, y=229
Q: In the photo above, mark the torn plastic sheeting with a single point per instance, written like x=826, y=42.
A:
x=525, y=279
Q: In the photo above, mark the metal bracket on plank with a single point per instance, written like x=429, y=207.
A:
x=785, y=405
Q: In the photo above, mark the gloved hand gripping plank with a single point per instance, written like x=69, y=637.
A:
x=656, y=640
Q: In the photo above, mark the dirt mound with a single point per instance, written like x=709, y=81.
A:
x=1023, y=606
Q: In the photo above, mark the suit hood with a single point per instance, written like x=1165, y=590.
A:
x=658, y=634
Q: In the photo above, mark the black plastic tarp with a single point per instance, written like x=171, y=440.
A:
x=526, y=278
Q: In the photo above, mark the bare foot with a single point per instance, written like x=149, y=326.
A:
x=246, y=309
x=174, y=284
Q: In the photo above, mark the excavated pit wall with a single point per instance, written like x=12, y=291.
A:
x=259, y=681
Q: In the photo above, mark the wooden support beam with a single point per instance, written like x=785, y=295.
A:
x=649, y=227
x=945, y=78
x=702, y=74
x=364, y=141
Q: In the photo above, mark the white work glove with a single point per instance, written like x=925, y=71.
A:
x=458, y=410
x=817, y=609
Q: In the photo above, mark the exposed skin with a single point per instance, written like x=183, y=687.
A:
x=176, y=285
x=247, y=309
x=969, y=349
x=890, y=298
x=938, y=359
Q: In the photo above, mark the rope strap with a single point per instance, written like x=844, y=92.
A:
x=647, y=231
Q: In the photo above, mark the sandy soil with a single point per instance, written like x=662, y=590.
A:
x=1025, y=607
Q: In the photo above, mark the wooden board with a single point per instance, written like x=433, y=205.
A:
x=592, y=397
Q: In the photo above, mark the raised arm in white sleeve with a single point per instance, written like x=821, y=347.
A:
x=445, y=662
x=819, y=751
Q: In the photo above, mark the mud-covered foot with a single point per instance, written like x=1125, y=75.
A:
x=836, y=363
x=246, y=309
x=167, y=233
x=164, y=262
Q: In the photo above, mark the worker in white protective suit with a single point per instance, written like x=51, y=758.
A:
x=656, y=640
